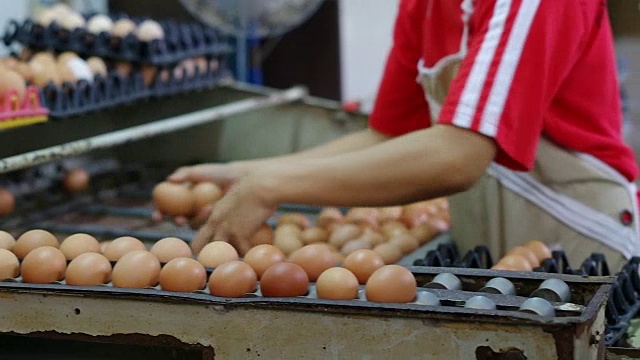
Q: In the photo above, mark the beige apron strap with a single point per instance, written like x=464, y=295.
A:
x=572, y=213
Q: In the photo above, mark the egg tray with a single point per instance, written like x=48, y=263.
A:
x=30, y=111
x=116, y=90
x=587, y=297
x=181, y=41
x=622, y=306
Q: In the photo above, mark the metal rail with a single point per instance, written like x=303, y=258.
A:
x=149, y=130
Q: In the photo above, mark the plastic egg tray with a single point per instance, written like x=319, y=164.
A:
x=116, y=90
x=527, y=304
x=624, y=299
x=181, y=41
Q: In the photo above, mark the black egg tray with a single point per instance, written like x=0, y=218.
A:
x=181, y=41
x=116, y=90
x=624, y=299
x=588, y=295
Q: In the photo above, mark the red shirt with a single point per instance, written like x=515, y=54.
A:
x=532, y=68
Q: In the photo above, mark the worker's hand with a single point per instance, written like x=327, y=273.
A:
x=235, y=218
x=223, y=175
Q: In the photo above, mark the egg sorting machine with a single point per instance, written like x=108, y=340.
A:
x=107, y=322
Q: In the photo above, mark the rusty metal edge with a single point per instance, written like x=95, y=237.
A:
x=348, y=307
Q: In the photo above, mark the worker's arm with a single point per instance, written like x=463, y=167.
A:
x=225, y=175
x=425, y=164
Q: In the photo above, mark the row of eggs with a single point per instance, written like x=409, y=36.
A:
x=79, y=260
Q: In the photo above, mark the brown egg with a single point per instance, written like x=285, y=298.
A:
x=173, y=199
x=217, y=253
x=77, y=244
x=9, y=265
x=88, y=269
x=119, y=247
x=136, y=269
x=405, y=242
x=148, y=74
x=76, y=180
x=7, y=202
x=355, y=244
x=391, y=284
x=389, y=213
x=123, y=68
x=314, y=259
x=170, y=248
x=103, y=245
x=372, y=236
x=390, y=253
x=67, y=55
x=284, y=279
x=286, y=237
x=11, y=80
x=261, y=257
x=24, y=70
x=526, y=253
x=337, y=284
x=97, y=66
x=314, y=235
x=206, y=193
x=183, y=274
x=233, y=279
x=44, y=70
x=200, y=64
x=123, y=27
x=328, y=217
x=43, y=265
x=6, y=240
x=393, y=227
x=415, y=214
x=428, y=230
x=363, y=216
x=515, y=261
x=33, y=239
x=298, y=219
x=342, y=233
x=189, y=67
x=264, y=235
x=362, y=263
x=540, y=249
x=502, y=267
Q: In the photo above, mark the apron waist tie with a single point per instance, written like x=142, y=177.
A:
x=574, y=214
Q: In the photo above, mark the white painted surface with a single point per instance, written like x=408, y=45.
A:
x=9, y=10
x=366, y=28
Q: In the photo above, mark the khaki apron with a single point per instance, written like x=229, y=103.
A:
x=570, y=201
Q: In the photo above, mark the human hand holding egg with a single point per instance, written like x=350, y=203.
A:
x=236, y=217
x=220, y=175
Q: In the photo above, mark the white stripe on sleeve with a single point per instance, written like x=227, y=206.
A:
x=468, y=103
x=506, y=71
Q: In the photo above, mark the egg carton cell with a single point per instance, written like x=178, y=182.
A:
x=624, y=301
x=73, y=99
x=180, y=41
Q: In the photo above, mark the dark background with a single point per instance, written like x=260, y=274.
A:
x=309, y=54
